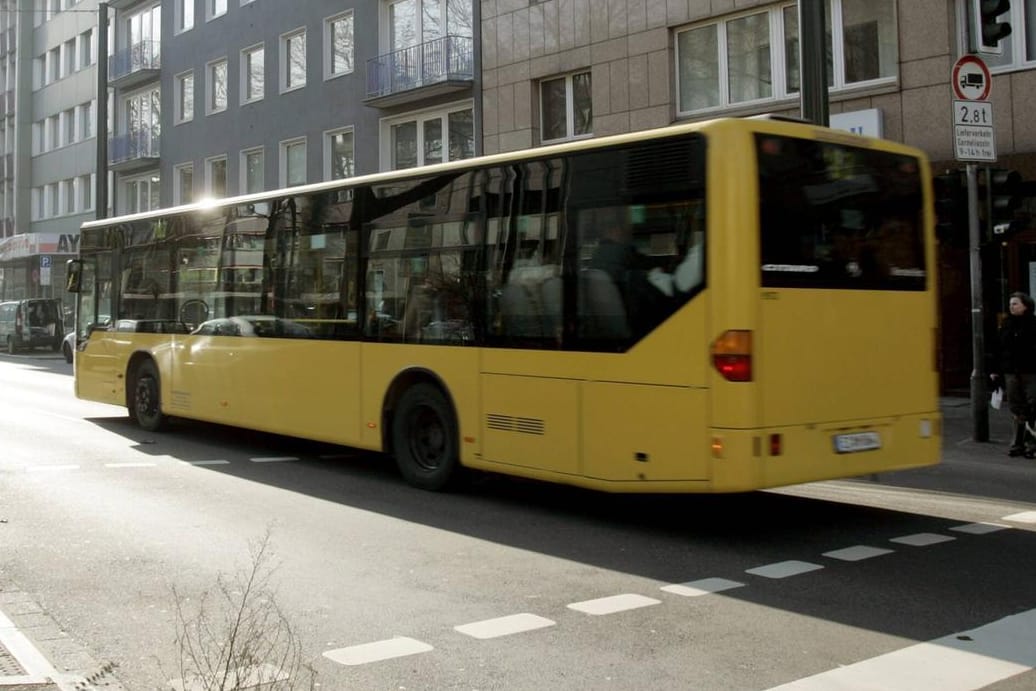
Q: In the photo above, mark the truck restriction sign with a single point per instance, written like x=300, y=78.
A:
x=971, y=79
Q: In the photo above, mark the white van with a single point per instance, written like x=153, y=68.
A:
x=31, y=323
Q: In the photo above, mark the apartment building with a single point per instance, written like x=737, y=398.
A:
x=48, y=55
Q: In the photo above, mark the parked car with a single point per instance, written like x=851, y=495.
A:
x=31, y=323
x=68, y=346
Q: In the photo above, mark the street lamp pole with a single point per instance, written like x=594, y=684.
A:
x=101, y=188
x=813, y=62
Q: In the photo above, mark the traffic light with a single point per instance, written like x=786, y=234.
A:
x=951, y=208
x=1005, y=196
x=990, y=29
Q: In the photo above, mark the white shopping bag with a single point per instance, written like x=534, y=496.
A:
x=997, y=399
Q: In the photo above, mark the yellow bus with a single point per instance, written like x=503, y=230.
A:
x=711, y=307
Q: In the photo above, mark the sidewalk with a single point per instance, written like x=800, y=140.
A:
x=958, y=431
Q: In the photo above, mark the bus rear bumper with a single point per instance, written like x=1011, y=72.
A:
x=759, y=458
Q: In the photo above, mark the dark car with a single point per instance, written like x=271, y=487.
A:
x=31, y=323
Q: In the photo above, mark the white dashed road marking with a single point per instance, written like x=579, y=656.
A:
x=613, y=604
x=980, y=528
x=130, y=465
x=215, y=462
x=1023, y=517
x=273, y=459
x=959, y=662
x=784, y=569
x=399, y=646
x=922, y=539
x=704, y=586
x=857, y=553
x=504, y=626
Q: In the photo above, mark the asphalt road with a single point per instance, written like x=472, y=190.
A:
x=111, y=537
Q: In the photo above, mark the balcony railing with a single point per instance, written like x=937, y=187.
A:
x=443, y=60
x=141, y=145
x=140, y=57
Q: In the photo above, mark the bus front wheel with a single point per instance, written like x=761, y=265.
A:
x=145, y=407
x=424, y=436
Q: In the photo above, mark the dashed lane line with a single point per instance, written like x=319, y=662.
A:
x=705, y=586
x=130, y=465
x=274, y=459
x=857, y=553
x=400, y=646
x=613, y=604
x=784, y=569
x=217, y=461
x=980, y=528
x=962, y=661
x=922, y=539
x=1023, y=517
x=504, y=626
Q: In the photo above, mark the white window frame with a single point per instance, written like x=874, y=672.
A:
x=245, y=153
x=246, y=53
x=569, y=107
x=329, y=47
x=210, y=86
x=208, y=175
x=285, y=61
x=778, y=71
x=328, y=136
x=146, y=179
x=386, y=125
x=178, y=196
x=211, y=10
x=180, y=113
x=182, y=22
x=282, y=166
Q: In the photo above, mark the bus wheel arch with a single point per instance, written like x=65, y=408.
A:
x=144, y=393
x=420, y=430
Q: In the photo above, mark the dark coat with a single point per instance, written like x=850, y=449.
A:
x=1017, y=345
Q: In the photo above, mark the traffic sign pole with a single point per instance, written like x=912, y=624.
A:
x=979, y=407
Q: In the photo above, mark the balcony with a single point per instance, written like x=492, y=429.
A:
x=428, y=69
x=135, y=150
x=139, y=63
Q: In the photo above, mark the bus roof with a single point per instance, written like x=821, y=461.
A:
x=766, y=122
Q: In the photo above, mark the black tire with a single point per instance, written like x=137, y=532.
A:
x=145, y=404
x=66, y=350
x=424, y=438
x=56, y=345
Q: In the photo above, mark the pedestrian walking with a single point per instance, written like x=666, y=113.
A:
x=1016, y=369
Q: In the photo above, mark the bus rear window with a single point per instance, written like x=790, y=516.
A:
x=838, y=216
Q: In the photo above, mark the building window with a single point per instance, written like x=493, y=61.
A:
x=253, y=170
x=431, y=137
x=252, y=74
x=53, y=65
x=183, y=181
x=85, y=186
x=216, y=177
x=69, y=52
x=215, y=8
x=141, y=194
x=184, y=15
x=217, y=100
x=184, y=97
x=753, y=57
x=86, y=120
x=338, y=45
x=566, y=107
x=339, y=161
x=69, y=120
x=293, y=162
x=68, y=196
x=293, y=60
x=87, y=49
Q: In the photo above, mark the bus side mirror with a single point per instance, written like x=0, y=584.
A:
x=73, y=274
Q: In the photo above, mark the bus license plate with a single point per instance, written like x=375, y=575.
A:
x=858, y=441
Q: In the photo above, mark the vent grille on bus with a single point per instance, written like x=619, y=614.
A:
x=510, y=423
x=662, y=165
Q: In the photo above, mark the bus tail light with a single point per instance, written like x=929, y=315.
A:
x=732, y=355
x=776, y=445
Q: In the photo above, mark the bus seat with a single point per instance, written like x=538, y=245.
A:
x=551, y=300
x=520, y=312
x=601, y=312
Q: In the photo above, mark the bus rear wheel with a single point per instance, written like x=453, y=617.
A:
x=145, y=405
x=424, y=436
